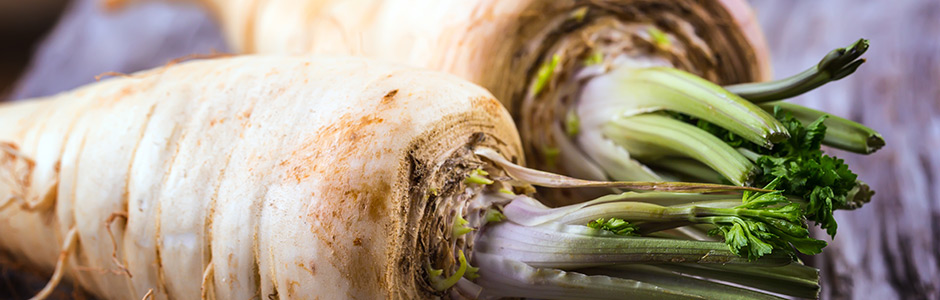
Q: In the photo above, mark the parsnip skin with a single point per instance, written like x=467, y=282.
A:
x=501, y=45
x=291, y=176
x=490, y=42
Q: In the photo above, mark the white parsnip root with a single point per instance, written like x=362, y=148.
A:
x=288, y=176
x=530, y=54
x=296, y=178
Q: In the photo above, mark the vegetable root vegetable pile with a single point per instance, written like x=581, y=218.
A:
x=607, y=90
x=596, y=87
x=347, y=178
x=343, y=178
x=527, y=53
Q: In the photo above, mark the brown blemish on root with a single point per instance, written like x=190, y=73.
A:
x=312, y=269
x=377, y=200
x=344, y=134
x=389, y=97
x=219, y=121
x=290, y=288
x=245, y=114
x=357, y=193
x=489, y=105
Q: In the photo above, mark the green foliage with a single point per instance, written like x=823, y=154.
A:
x=799, y=163
x=764, y=223
x=615, y=225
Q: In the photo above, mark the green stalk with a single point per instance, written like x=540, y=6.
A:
x=574, y=246
x=645, y=212
x=668, y=279
x=836, y=65
x=688, y=168
x=765, y=223
x=841, y=133
x=653, y=136
x=628, y=91
x=794, y=279
x=531, y=253
x=502, y=277
x=672, y=199
x=530, y=212
x=551, y=180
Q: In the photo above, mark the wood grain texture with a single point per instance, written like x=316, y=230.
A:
x=89, y=40
x=889, y=248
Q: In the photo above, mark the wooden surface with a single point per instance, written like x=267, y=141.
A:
x=885, y=250
x=890, y=248
x=89, y=41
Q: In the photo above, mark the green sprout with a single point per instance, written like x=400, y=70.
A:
x=572, y=124
x=440, y=284
x=616, y=225
x=494, y=215
x=477, y=177
x=659, y=38
x=544, y=75
x=460, y=226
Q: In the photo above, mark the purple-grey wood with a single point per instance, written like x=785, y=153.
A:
x=890, y=248
x=89, y=41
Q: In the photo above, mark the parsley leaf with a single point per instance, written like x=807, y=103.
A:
x=803, y=170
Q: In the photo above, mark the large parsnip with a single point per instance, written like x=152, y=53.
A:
x=293, y=176
x=595, y=87
x=503, y=45
x=300, y=178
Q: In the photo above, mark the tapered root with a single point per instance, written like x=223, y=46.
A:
x=148, y=295
x=13, y=151
x=41, y=204
x=9, y=200
x=10, y=154
x=206, y=282
x=107, y=225
x=59, y=265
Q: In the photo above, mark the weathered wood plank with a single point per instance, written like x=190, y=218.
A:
x=890, y=248
x=88, y=41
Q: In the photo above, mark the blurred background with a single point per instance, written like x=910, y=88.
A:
x=889, y=249
x=21, y=28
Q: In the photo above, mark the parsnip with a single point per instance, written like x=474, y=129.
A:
x=273, y=177
x=502, y=44
x=282, y=170
x=595, y=86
